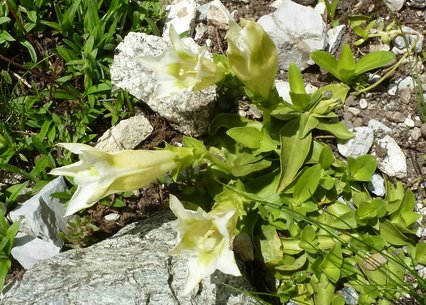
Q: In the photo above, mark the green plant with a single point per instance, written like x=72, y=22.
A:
x=331, y=7
x=7, y=237
x=346, y=69
x=372, y=29
x=309, y=217
x=79, y=232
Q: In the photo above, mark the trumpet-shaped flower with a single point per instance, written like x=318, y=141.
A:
x=99, y=174
x=183, y=66
x=207, y=239
x=252, y=57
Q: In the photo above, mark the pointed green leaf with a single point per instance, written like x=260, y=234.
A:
x=248, y=136
x=373, y=61
x=307, y=183
x=294, y=150
x=346, y=64
x=337, y=129
x=325, y=61
x=332, y=263
x=421, y=253
x=391, y=234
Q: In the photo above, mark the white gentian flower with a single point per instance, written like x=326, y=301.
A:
x=206, y=237
x=99, y=174
x=252, y=57
x=183, y=66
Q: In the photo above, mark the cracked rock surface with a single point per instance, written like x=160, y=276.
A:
x=132, y=267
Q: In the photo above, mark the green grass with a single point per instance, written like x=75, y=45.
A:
x=55, y=80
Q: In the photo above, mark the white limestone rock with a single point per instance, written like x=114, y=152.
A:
x=189, y=112
x=377, y=185
x=395, y=5
x=42, y=216
x=180, y=14
x=127, y=134
x=218, y=14
x=377, y=126
x=296, y=30
x=335, y=36
x=359, y=145
x=391, y=158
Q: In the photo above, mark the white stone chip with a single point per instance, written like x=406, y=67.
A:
x=391, y=158
x=359, y=145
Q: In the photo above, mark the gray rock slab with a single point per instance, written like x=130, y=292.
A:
x=29, y=250
x=42, y=216
x=132, y=267
x=127, y=134
x=296, y=30
x=189, y=112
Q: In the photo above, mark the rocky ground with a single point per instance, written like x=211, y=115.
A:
x=397, y=103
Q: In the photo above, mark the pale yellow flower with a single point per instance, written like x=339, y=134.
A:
x=99, y=174
x=183, y=66
x=252, y=57
x=206, y=238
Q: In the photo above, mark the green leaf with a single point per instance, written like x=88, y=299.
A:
x=362, y=168
x=346, y=64
x=374, y=60
x=332, y=263
x=248, y=136
x=5, y=265
x=324, y=290
x=326, y=157
x=294, y=150
x=228, y=121
x=421, y=253
x=4, y=19
x=247, y=164
x=326, y=62
x=391, y=234
x=292, y=264
x=270, y=244
x=307, y=183
x=337, y=129
x=102, y=87
x=299, y=97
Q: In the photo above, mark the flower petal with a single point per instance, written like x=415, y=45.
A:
x=197, y=270
x=85, y=197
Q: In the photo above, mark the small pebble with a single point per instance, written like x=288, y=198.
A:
x=423, y=130
x=358, y=122
x=355, y=111
x=396, y=116
x=363, y=103
x=416, y=133
x=112, y=217
x=405, y=95
x=409, y=122
x=417, y=122
x=350, y=101
x=392, y=89
x=347, y=116
x=406, y=83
